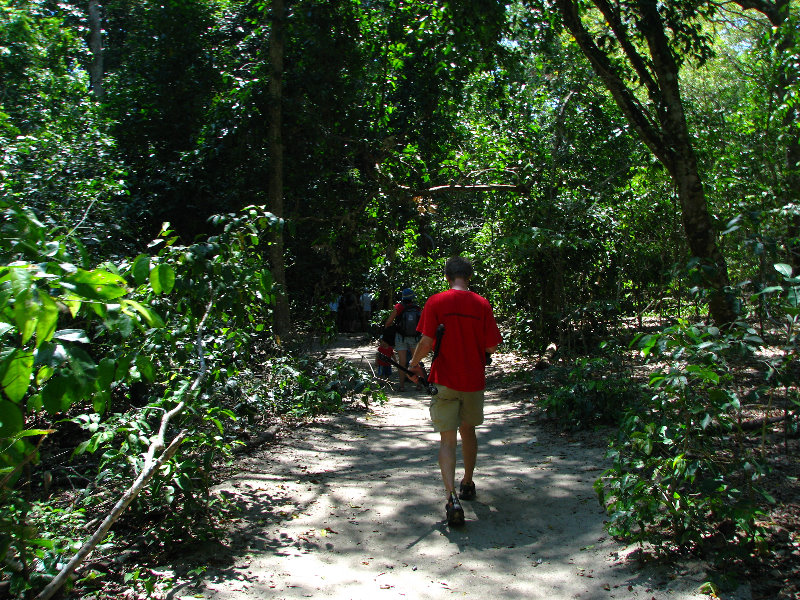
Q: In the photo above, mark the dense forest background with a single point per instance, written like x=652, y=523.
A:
x=186, y=185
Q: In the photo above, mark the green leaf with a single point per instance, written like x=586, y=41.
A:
x=56, y=396
x=34, y=403
x=73, y=303
x=783, y=269
x=150, y=316
x=50, y=355
x=33, y=432
x=84, y=369
x=100, y=401
x=180, y=391
x=72, y=335
x=770, y=290
x=141, y=269
x=21, y=277
x=11, y=419
x=166, y=276
x=146, y=368
x=48, y=319
x=155, y=280
x=26, y=314
x=105, y=373
x=793, y=296
x=17, y=378
x=96, y=285
x=43, y=543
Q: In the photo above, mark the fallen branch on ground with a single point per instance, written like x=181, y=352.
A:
x=151, y=467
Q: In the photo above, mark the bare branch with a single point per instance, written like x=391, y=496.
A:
x=457, y=187
x=638, y=62
x=112, y=517
x=636, y=114
x=151, y=467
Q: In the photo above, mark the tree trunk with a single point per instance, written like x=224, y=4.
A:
x=282, y=318
x=96, y=48
x=663, y=129
x=702, y=238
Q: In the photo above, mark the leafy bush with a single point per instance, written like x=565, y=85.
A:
x=598, y=391
x=304, y=386
x=680, y=474
x=115, y=347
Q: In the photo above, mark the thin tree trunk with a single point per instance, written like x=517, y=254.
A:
x=96, y=48
x=282, y=318
x=791, y=190
x=701, y=236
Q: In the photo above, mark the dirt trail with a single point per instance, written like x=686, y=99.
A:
x=352, y=508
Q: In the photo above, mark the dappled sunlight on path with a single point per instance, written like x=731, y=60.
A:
x=352, y=507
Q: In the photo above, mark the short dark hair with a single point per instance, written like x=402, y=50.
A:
x=458, y=266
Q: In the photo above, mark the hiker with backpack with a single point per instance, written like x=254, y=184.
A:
x=459, y=372
x=405, y=317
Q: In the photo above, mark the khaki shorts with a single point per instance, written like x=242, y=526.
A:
x=450, y=407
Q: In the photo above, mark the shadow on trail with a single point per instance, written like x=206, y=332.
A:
x=355, y=503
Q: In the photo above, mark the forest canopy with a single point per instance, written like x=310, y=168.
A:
x=185, y=186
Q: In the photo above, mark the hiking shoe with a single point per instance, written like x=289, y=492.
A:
x=455, y=514
x=466, y=491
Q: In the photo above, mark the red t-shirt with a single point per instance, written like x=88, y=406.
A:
x=386, y=352
x=469, y=329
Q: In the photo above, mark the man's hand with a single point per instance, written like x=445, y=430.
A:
x=417, y=370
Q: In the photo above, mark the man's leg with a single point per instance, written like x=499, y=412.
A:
x=469, y=450
x=447, y=460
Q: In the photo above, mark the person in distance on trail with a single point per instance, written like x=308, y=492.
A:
x=405, y=317
x=385, y=352
x=366, y=309
x=470, y=336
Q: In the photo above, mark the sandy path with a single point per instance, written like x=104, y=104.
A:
x=351, y=508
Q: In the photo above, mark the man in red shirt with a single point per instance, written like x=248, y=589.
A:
x=470, y=335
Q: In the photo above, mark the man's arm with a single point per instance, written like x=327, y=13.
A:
x=422, y=350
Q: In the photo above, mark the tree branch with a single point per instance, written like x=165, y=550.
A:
x=774, y=11
x=457, y=187
x=411, y=192
x=633, y=110
x=112, y=517
x=638, y=63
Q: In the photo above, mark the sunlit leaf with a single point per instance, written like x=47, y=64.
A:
x=48, y=319
x=11, y=419
x=17, y=378
x=141, y=269
x=150, y=316
x=784, y=269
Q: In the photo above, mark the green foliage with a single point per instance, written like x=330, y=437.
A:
x=305, y=386
x=47, y=307
x=599, y=391
x=57, y=153
x=158, y=322
x=681, y=475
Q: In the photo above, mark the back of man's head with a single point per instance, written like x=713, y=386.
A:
x=458, y=267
